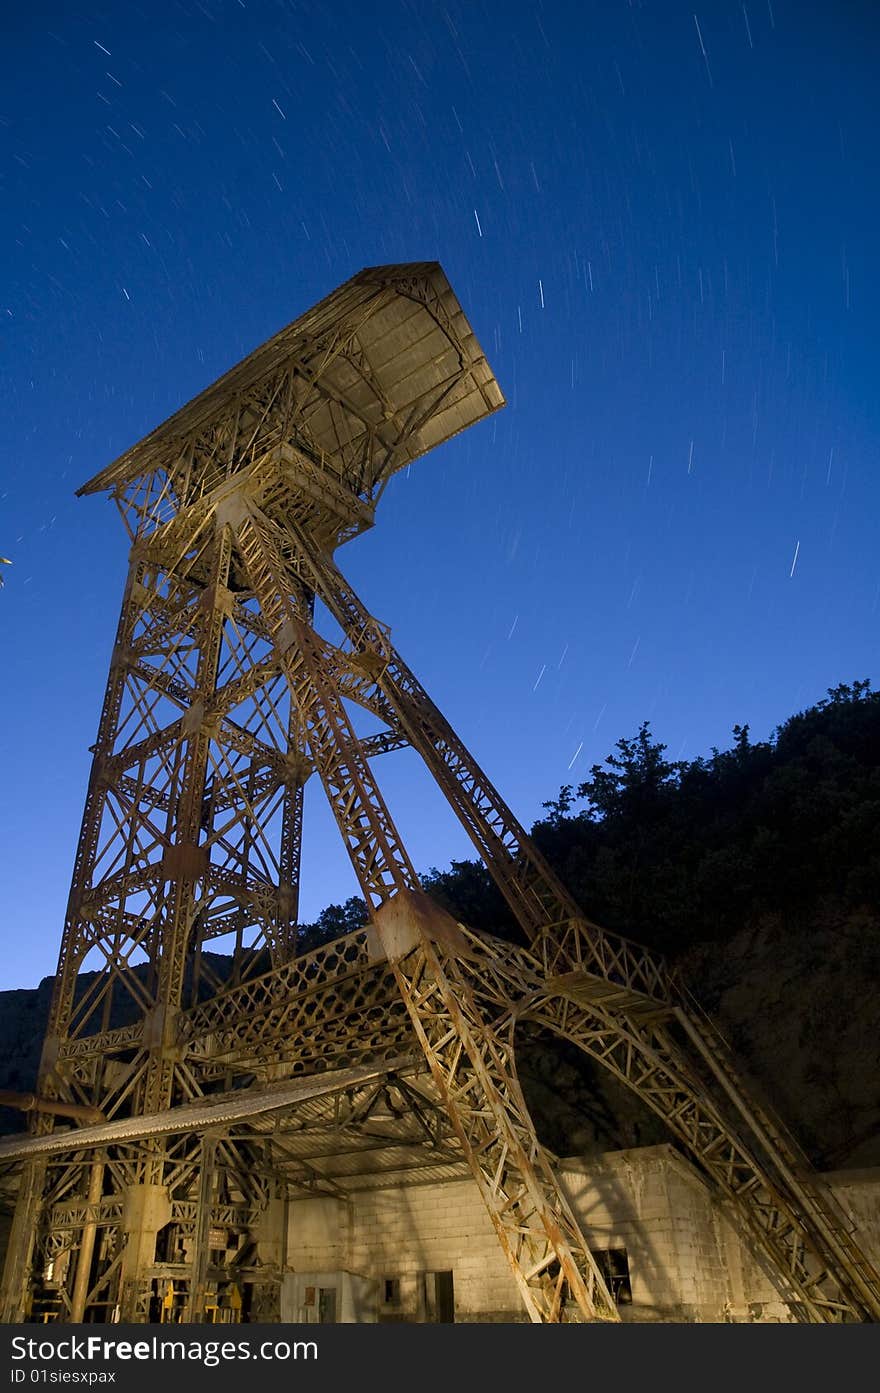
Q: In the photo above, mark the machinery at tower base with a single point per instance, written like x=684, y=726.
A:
x=222, y=1063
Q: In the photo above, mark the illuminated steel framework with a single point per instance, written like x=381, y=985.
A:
x=225, y=1069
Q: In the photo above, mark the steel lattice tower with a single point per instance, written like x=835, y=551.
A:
x=202, y=1085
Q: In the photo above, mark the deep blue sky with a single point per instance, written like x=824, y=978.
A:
x=663, y=228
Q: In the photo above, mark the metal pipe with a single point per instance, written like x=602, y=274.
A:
x=202, y=1236
x=87, y=1246
x=29, y=1102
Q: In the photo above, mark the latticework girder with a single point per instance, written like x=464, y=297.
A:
x=226, y=1065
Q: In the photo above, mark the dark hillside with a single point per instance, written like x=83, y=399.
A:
x=756, y=871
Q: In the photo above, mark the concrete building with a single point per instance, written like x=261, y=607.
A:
x=395, y=1252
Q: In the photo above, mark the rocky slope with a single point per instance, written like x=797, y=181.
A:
x=799, y=1004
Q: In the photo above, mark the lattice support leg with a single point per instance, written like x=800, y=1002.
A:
x=17, y=1277
x=471, y=1060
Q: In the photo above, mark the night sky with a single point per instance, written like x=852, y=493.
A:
x=662, y=226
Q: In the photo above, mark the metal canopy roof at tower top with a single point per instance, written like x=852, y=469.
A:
x=379, y=372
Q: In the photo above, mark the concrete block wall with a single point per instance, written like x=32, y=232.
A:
x=318, y=1234
x=408, y=1230
x=685, y=1262
x=649, y=1204
x=751, y=1294
x=858, y=1194
x=643, y=1201
x=697, y=1250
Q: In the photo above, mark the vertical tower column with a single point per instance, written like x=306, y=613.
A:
x=185, y=860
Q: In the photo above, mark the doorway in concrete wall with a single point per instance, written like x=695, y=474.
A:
x=326, y=1305
x=438, y=1297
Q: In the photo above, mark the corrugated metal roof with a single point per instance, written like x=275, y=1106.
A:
x=211, y=1111
x=415, y=376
